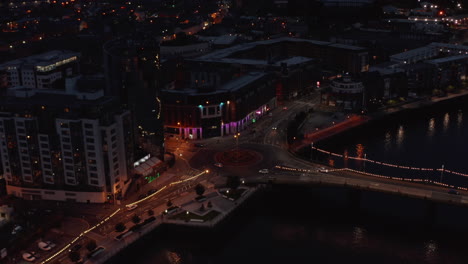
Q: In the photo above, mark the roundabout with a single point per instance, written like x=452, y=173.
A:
x=238, y=157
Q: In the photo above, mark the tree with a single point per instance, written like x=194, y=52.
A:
x=120, y=227
x=91, y=245
x=74, y=256
x=202, y=207
x=200, y=189
x=233, y=182
x=150, y=212
x=169, y=203
x=209, y=204
x=136, y=219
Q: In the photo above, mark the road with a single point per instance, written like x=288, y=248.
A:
x=267, y=137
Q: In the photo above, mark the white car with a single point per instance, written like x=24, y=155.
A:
x=218, y=164
x=322, y=169
x=264, y=171
x=29, y=256
x=131, y=206
x=16, y=230
x=46, y=246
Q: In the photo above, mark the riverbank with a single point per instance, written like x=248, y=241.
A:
x=352, y=122
x=306, y=223
x=223, y=206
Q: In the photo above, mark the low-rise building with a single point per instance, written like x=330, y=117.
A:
x=345, y=93
x=208, y=110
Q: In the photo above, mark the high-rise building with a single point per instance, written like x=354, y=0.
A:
x=132, y=70
x=43, y=71
x=72, y=145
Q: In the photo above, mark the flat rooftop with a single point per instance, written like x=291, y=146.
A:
x=42, y=59
x=225, y=53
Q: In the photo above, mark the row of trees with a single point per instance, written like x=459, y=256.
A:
x=75, y=256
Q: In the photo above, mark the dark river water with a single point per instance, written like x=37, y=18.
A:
x=330, y=225
x=432, y=138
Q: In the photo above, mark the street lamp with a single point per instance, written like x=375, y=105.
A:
x=180, y=131
x=442, y=173
x=311, y=150
x=236, y=136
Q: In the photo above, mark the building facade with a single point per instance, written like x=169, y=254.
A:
x=58, y=147
x=210, y=110
x=42, y=71
x=132, y=69
x=345, y=93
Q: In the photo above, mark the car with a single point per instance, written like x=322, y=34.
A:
x=218, y=164
x=199, y=145
x=322, y=169
x=46, y=246
x=16, y=230
x=285, y=108
x=29, y=256
x=151, y=191
x=75, y=247
x=131, y=207
x=274, y=128
x=141, y=196
x=264, y=171
x=453, y=191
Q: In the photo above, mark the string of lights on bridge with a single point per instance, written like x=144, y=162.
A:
x=389, y=164
x=115, y=212
x=416, y=180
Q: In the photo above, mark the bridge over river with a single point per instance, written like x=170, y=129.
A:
x=356, y=180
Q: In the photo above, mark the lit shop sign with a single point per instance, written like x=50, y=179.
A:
x=145, y=158
x=55, y=65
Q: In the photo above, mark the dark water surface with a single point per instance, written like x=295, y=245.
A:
x=427, y=139
x=314, y=225
x=330, y=225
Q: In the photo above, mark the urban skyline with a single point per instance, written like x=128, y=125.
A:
x=118, y=118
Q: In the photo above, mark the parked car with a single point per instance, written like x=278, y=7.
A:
x=131, y=207
x=453, y=191
x=46, y=246
x=199, y=145
x=141, y=196
x=151, y=191
x=75, y=247
x=264, y=171
x=29, y=256
x=218, y=164
x=16, y=230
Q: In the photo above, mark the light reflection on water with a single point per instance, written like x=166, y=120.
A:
x=446, y=121
x=431, y=128
x=388, y=141
x=430, y=250
x=459, y=119
x=359, y=235
x=400, y=136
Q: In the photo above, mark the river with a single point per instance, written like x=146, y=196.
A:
x=321, y=224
